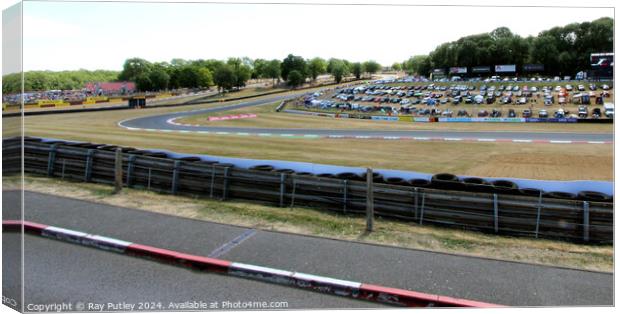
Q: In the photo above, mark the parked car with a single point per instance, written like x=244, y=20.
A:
x=483, y=113
x=447, y=113
x=542, y=113
x=462, y=113
x=596, y=113
x=582, y=112
x=512, y=113
x=496, y=113
x=560, y=114
x=527, y=113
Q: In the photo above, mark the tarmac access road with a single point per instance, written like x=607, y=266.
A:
x=76, y=268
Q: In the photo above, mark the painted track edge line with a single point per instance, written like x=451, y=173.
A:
x=344, y=288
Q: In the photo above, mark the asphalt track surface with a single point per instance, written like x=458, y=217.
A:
x=87, y=274
x=162, y=123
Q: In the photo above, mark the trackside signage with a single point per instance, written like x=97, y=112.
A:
x=505, y=68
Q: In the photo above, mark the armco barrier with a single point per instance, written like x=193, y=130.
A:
x=501, y=211
x=343, y=288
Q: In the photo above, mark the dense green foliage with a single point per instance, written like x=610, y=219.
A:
x=179, y=73
x=48, y=80
x=563, y=50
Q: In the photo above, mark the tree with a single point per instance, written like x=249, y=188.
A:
x=159, y=78
x=293, y=63
x=273, y=70
x=396, y=66
x=357, y=69
x=338, y=68
x=133, y=68
x=419, y=64
x=224, y=77
x=242, y=72
x=143, y=82
x=295, y=78
x=316, y=67
x=260, y=68
x=372, y=67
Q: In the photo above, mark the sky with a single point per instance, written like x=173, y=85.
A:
x=91, y=35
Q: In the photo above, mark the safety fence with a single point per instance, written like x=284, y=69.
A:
x=505, y=214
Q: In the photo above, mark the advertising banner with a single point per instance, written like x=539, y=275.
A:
x=385, y=118
x=458, y=70
x=505, y=68
x=533, y=67
x=481, y=69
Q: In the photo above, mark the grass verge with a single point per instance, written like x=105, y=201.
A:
x=307, y=221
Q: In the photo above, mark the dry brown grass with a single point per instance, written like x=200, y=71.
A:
x=318, y=223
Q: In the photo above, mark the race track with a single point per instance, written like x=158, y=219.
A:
x=164, y=123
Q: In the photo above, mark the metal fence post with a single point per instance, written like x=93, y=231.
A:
x=62, y=173
x=212, y=181
x=130, y=166
x=495, y=213
x=225, y=184
x=88, y=169
x=51, y=159
x=282, y=188
x=293, y=196
x=344, y=196
x=118, y=170
x=415, y=205
x=148, y=184
x=538, y=213
x=586, y=221
x=175, y=177
x=422, y=208
x=370, y=201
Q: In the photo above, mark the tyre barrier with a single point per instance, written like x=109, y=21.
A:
x=377, y=178
x=593, y=196
x=477, y=185
x=285, y=171
x=560, y=195
x=262, y=168
x=447, y=181
x=189, y=159
x=442, y=181
x=397, y=181
x=530, y=192
x=420, y=183
x=505, y=187
x=351, y=176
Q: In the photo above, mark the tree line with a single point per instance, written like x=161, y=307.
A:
x=235, y=72
x=49, y=80
x=179, y=73
x=563, y=50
